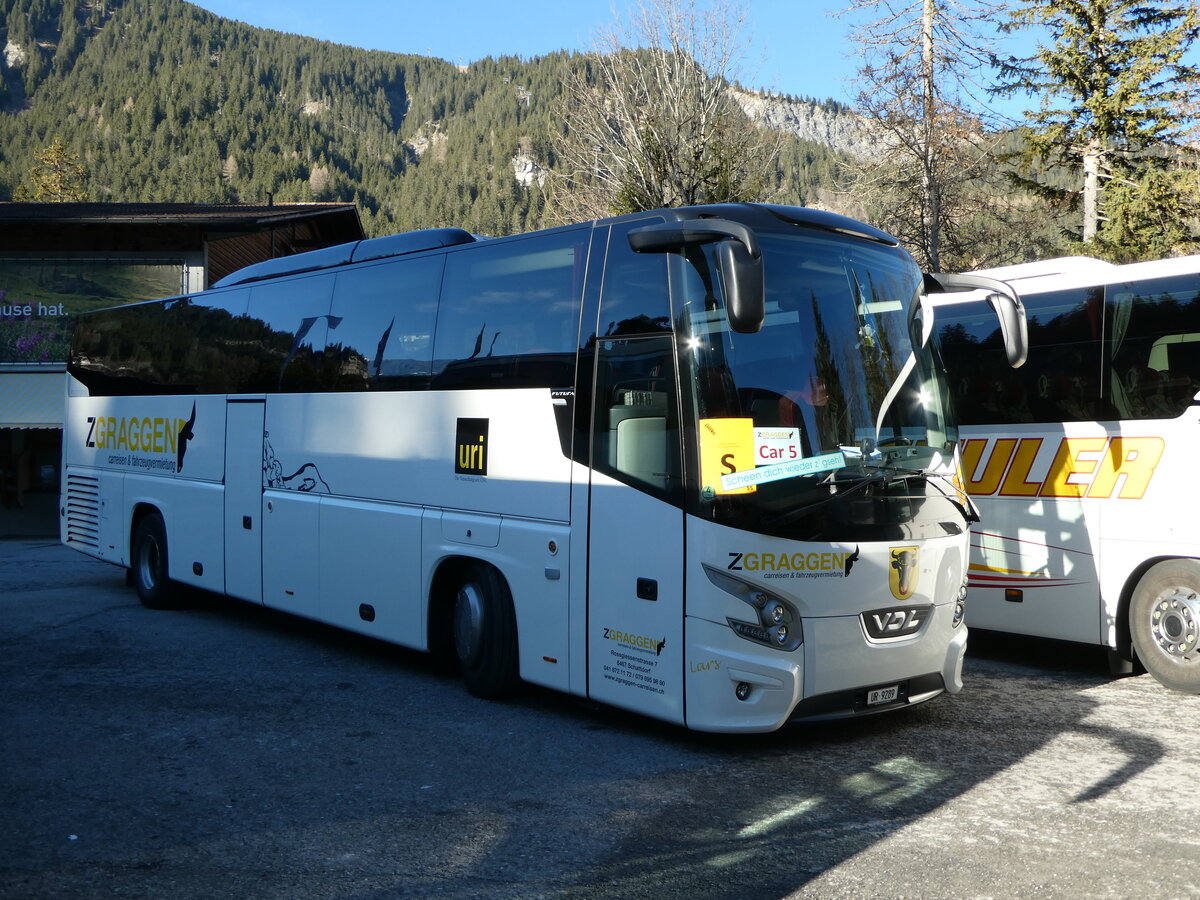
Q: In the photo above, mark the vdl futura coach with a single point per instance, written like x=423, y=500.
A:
x=693, y=463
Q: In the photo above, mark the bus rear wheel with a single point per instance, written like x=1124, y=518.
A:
x=485, y=633
x=148, y=564
x=1164, y=622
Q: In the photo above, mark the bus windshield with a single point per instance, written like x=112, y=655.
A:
x=845, y=422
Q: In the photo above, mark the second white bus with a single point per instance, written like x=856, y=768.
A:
x=1083, y=462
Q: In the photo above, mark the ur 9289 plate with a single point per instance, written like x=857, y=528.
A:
x=882, y=695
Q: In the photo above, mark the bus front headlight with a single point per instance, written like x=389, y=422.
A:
x=960, y=606
x=775, y=620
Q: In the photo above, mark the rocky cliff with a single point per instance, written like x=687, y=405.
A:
x=827, y=124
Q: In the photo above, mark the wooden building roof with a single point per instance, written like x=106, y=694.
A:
x=235, y=235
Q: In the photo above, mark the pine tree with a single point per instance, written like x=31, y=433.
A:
x=57, y=175
x=1114, y=92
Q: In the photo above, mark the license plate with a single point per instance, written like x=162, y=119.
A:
x=883, y=695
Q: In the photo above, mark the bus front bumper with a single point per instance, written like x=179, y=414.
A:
x=736, y=686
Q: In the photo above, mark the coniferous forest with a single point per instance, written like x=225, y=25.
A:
x=161, y=101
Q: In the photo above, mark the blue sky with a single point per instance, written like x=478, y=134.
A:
x=795, y=46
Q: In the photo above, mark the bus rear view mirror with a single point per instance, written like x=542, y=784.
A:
x=738, y=257
x=744, y=303
x=1008, y=307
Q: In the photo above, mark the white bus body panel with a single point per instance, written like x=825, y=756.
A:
x=371, y=554
x=165, y=452
x=291, y=553
x=1072, y=557
x=192, y=514
x=346, y=528
x=520, y=549
x=399, y=447
x=141, y=435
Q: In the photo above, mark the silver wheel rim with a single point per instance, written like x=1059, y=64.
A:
x=149, y=563
x=468, y=622
x=1175, y=624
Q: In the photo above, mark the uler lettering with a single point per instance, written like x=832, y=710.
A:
x=1093, y=467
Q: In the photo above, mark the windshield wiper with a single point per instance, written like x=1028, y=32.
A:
x=939, y=481
x=968, y=509
x=881, y=475
x=858, y=483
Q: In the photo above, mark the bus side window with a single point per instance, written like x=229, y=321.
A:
x=180, y=346
x=1060, y=382
x=1154, y=362
x=385, y=314
x=509, y=313
x=635, y=423
x=217, y=361
x=292, y=317
x=636, y=430
x=1063, y=373
x=634, y=297
x=978, y=375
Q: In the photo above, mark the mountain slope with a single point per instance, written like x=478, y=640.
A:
x=163, y=101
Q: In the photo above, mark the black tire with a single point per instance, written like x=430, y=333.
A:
x=148, y=564
x=485, y=633
x=1164, y=622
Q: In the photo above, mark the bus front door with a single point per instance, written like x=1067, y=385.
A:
x=635, y=533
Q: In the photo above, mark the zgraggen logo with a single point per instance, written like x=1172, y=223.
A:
x=158, y=435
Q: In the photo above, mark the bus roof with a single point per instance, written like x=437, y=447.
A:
x=355, y=251
x=435, y=238
x=1084, y=271
x=1059, y=267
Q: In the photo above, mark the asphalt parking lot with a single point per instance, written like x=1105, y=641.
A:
x=228, y=751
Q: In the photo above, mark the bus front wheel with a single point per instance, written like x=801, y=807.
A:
x=485, y=633
x=149, y=563
x=1164, y=622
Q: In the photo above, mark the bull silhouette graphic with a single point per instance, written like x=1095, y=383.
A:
x=902, y=578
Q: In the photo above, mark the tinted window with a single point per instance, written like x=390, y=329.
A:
x=634, y=297
x=1154, y=334
x=290, y=320
x=509, y=314
x=385, y=316
x=1060, y=382
x=179, y=346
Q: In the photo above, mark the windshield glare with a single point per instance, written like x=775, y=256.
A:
x=820, y=391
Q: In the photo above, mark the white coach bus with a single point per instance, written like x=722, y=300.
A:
x=1083, y=463
x=692, y=463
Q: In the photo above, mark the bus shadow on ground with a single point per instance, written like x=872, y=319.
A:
x=764, y=816
x=1086, y=661
x=278, y=746
x=642, y=806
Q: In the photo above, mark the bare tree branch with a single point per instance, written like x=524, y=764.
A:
x=649, y=120
x=932, y=170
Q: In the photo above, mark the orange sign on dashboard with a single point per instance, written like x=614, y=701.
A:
x=726, y=446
